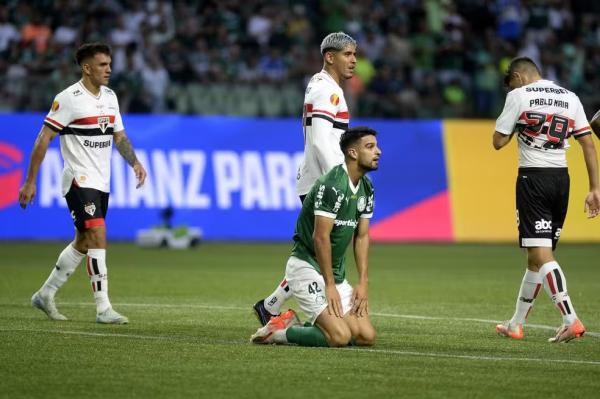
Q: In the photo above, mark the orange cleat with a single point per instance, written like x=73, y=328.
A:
x=507, y=330
x=566, y=333
x=266, y=334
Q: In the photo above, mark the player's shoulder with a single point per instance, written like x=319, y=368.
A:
x=108, y=91
x=70, y=92
x=323, y=82
x=337, y=178
x=368, y=184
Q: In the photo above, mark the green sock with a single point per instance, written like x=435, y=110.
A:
x=306, y=336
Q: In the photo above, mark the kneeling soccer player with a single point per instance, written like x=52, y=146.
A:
x=337, y=208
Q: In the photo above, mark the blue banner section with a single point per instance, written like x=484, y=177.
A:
x=232, y=177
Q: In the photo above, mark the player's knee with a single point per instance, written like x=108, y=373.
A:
x=366, y=337
x=339, y=337
x=94, y=238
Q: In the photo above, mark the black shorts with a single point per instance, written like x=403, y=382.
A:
x=542, y=202
x=88, y=206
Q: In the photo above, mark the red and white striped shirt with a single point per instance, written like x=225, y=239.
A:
x=86, y=124
x=324, y=119
x=544, y=115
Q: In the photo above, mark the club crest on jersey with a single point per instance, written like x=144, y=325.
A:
x=362, y=204
x=90, y=208
x=103, y=122
x=335, y=99
x=55, y=106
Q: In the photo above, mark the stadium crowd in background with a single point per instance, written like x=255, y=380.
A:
x=417, y=59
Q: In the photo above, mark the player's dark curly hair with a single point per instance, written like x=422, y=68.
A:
x=353, y=135
x=88, y=50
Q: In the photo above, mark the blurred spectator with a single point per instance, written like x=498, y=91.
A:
x=424, y=59
x=36, y=31
x=156, y=81
x=8, y=33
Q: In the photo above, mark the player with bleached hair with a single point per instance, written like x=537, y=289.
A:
x=325, y=117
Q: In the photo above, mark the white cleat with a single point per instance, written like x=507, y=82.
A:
x=47, y=306
x=110, y=316
x=266, y=334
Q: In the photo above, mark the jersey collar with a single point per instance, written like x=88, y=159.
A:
x=329, y=77
x=353, y=188
x=89, y=92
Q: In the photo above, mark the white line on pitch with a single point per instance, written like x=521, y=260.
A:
x=473, y=357
x=392, y=315
x=395, y=315
x=385, y=351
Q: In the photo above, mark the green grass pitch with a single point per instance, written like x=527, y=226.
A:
x=434, y=306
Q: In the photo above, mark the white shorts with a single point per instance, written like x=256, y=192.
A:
x=308, y=287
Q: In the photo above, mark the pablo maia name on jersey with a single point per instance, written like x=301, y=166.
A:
x=551, y=102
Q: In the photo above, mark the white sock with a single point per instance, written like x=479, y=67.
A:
x=96, y=268
x=555, y=285
x=530, y=287
x=281, y=294
x=280, y=337
x=67, y=263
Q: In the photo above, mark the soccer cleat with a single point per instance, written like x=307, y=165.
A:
x=110, y=316
x=507, y=330
x=266, y=334
x=566, y=333
x=47, y=306
x=290, y=318
x=262, y=313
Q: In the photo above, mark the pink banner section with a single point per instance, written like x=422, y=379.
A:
x=428, y=220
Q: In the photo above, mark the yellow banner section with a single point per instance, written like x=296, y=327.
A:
x=481, y=182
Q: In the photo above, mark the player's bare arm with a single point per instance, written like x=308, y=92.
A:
x=595, y=124
x=500, y=140
x=128, y=153
x=28, y=190
x=360, y=304
x=592, y=199
x=322, y=240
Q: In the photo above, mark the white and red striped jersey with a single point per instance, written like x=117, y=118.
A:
x=544, y=115
x=86, y=124
x=324, y=119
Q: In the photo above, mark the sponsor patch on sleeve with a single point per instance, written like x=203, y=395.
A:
x=335, y=99
x=55, y=106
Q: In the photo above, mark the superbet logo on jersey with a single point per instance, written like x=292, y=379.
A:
x=11, y=173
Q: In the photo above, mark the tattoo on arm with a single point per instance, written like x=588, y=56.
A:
x=126, y=150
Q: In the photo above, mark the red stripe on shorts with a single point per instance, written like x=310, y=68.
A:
x=94, y=223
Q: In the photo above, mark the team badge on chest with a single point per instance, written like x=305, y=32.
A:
x=103, y=122
x=90, y=208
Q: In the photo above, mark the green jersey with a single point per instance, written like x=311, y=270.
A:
x=333, y=196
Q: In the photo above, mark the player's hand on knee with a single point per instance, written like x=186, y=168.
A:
x=334, y=302
x=360, y=301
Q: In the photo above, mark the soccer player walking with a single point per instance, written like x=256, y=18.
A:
x=325, y=117
x=544, y=115
x=337, y=209
x=87, y=118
